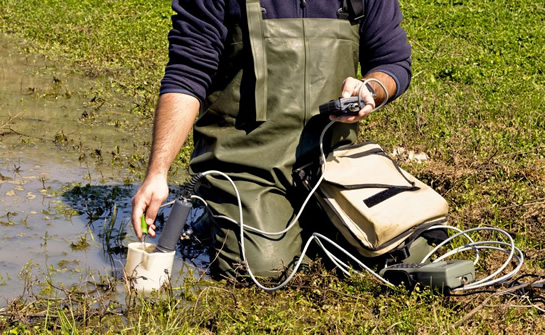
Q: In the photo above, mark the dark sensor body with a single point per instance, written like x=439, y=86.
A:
x=342, y=106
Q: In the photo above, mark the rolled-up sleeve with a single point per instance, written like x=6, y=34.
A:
x=383, y=45
x=195, y=46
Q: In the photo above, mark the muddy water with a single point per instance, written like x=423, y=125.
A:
x=62, y=179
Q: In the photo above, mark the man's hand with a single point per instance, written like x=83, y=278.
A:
x=352, y=87
x=147, y=200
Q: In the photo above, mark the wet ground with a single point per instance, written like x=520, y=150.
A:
x=65, y=186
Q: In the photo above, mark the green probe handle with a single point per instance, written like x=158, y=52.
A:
x=144, y=225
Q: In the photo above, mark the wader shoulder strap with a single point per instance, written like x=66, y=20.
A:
x=351, y=10
x=255, y=29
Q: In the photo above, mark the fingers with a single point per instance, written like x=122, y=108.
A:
x=366, y=110
x=137, y=211
x=151, y=214
x=352, y=87
x=147, y=201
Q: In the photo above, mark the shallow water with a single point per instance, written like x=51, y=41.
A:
x=59, y=186
x=38, y=226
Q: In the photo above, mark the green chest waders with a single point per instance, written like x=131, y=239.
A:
x=294, y=66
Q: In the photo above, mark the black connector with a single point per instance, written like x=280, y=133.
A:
x=342, y=106
x=189, y=189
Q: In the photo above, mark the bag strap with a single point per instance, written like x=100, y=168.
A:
x=375, y=151
x=432, y=236
x=387, y=194
x=398, y=168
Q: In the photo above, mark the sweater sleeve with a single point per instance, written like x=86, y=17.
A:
x=383, y=43
x=195, y=46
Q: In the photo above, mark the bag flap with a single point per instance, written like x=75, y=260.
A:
x=364, y=165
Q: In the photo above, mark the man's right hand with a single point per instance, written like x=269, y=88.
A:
x=148, y=199
x=173, y=120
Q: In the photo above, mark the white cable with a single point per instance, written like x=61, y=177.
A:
x=360, y=263
x=511, y=253
x=241, y=237
x=483, y=282
x=384, y=102
x=446, y=241
x=487, y=281
x=345, y=267
x=167, y=204
x=223, y=217
x=294, y=221
x=341, y=265
x=243, y=226
x=475, y=246
x=466, y=248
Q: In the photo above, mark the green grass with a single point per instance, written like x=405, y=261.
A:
x=475, y=107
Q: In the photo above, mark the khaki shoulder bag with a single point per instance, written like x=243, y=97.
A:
x=374, y=203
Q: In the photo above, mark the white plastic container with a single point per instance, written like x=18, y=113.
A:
x=145, y=269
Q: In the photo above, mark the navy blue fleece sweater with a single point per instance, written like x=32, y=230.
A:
x=199, y=29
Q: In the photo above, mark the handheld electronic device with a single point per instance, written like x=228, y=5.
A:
x=342, y=106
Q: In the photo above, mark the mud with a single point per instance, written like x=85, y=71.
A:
x=65, y=184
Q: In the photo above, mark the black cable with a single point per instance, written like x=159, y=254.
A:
x=189, y=188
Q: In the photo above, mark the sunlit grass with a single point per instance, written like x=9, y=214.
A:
x=475, y=107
